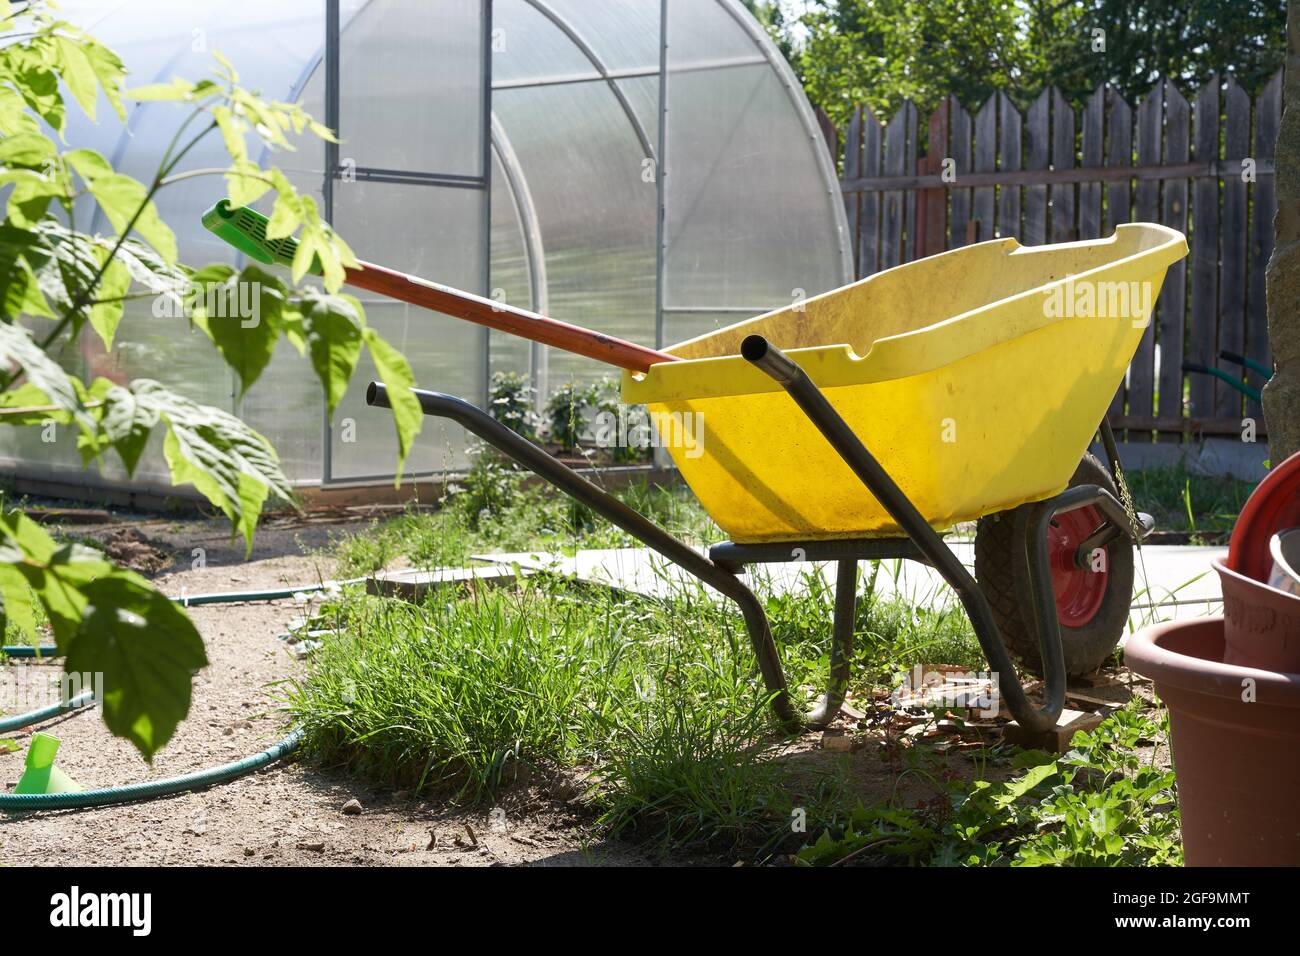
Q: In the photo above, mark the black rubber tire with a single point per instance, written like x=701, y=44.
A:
x=1002, y=575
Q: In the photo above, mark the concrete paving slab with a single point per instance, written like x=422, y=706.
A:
x=1172, y=581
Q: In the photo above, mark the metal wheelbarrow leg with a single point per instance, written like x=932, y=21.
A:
x=541, y=463
x=814, y=404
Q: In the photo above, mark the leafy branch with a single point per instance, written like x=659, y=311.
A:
x=55, y=280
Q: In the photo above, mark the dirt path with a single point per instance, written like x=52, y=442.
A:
x=287, y=814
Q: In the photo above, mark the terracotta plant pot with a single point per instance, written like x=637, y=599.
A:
x=1236, y=741
x=1261, y=623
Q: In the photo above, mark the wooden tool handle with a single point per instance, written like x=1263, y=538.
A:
x=506, y=318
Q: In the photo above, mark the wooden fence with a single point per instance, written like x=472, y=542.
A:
x=1057, y=174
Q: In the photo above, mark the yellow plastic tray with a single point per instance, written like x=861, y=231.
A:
x=977, y=378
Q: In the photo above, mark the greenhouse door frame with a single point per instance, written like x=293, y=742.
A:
x=482, y=183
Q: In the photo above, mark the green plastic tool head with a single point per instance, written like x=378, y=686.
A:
x=245, y=229
x=41, y=776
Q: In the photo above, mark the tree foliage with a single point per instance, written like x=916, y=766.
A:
x=56, y=281
x=879, y=52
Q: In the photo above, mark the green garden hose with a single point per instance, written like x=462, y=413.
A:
x=45, y=713
x=26, y=802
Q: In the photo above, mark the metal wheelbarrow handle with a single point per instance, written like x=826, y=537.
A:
x=775, y=363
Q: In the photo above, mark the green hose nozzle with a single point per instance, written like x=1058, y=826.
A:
x=41, y=776
x=245, y=229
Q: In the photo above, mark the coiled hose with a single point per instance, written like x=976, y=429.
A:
x=105, y=796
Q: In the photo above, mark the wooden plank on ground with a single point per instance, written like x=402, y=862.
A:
x=413, y=584
x=1055, y=740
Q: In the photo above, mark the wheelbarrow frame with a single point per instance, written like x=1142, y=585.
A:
x=721, y=568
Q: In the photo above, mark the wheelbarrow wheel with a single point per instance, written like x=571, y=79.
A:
x=1092, y=604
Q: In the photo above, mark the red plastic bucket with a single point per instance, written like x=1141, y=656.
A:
x=1273, y=506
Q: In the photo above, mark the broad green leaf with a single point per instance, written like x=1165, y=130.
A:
x=108, y=70
x=14, y=118
x=147, y=651
x=177, y=89
x=29, y=200
x=26, y=149
x=78, y=73
x=126, y=424
x=27, y=405
x=17, y=594
x=88, y=163
x=20, y=291
x=121, y=197
x=395, y=373
x=217, y=453
x=232, y=133
x=248, y=329
x=106, y=310
x=36, y=82
x=56, y=574
x=246, y=183
x=17, y=348
x=332, y=326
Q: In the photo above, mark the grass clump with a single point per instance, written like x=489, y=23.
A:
x=1182, y=501
x=655, y=703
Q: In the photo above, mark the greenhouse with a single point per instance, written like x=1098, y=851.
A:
x=648, y=168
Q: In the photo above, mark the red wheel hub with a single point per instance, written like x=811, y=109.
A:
x=1079, y=590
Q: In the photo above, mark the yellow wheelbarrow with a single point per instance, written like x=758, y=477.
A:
x=965, y=386
x=861, y=424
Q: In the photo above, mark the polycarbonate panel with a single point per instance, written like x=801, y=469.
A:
x=748, y=216
x=510, y=278
x=642, y=94
x=529, y=48
x=596, y=206
x=411, y=86
x=624, y=34
x=433, y=232
x=680, y=326
x=705, y=32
